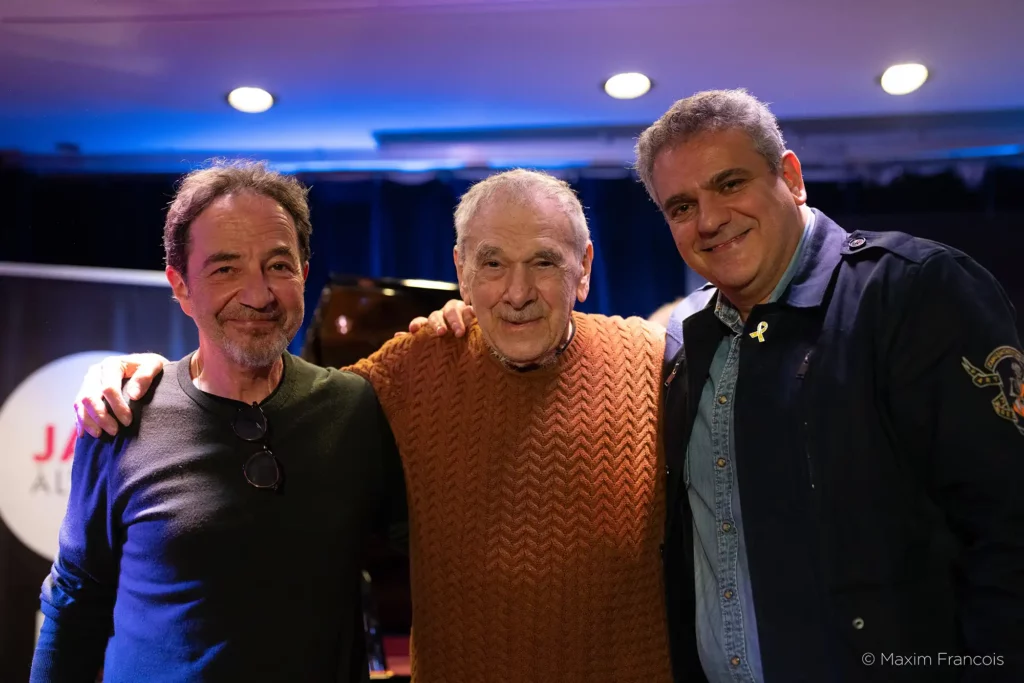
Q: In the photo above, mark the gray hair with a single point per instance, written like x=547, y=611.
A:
x=711, y=110
x=522, y=186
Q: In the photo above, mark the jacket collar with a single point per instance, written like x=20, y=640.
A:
x=820, y=257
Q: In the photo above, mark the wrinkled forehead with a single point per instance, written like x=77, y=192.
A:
x=517, y=226
x=243, y=218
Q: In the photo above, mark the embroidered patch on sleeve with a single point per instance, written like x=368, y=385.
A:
x=1004, y=369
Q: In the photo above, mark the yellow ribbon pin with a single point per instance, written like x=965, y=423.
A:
x=762, y=327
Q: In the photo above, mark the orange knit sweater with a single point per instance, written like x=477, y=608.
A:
x=535, y=506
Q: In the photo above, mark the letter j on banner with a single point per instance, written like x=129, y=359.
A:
x=37, y=446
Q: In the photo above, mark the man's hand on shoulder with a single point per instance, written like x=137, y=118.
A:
x=100, y=405
x=456, y=315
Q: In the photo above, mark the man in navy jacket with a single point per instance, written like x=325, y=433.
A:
x=844, y=429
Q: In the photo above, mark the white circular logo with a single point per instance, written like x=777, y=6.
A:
x=37, y=433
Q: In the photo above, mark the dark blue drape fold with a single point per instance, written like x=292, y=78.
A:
x=401, y=226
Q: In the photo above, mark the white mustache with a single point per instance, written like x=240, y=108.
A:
x=522, y=316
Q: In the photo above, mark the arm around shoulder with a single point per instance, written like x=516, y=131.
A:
x=390, y=368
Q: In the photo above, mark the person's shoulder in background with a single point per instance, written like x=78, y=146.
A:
x=664, y=313
x=671, y=316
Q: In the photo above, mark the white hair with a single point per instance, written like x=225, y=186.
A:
x=522, y=186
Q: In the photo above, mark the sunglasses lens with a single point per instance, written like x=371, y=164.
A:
x=261, y=470
x=250, y=424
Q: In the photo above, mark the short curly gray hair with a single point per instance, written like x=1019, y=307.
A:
x=706, y=111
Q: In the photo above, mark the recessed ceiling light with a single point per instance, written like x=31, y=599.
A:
x=250, y=100
x=901, y=79
x=627, y=86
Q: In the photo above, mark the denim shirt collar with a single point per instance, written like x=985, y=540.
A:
x=816, y=261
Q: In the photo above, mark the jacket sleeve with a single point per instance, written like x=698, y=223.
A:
x=955, y=372
x=77, y=597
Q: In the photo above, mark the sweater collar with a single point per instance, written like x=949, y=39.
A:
x=567, y=357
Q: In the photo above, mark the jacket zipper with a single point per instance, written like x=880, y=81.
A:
x=800, y=374
x=672, y=376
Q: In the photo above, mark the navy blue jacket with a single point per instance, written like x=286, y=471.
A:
x=880, y=456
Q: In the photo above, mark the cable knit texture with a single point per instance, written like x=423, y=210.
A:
x=536, y=505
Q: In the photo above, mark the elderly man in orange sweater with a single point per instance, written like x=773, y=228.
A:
x=530, y=451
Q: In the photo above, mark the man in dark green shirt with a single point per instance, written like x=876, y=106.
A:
x=220, y=536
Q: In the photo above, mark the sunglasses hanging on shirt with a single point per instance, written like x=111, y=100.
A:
x=262, y=470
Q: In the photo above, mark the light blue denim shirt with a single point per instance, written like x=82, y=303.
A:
x=726, y=623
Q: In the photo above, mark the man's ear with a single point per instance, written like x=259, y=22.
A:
x=459, y=271
x=792, y=175
x=583, y=286
x=180, y=288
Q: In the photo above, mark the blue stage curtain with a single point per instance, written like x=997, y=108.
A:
x=382, y=228
x=400, y=225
